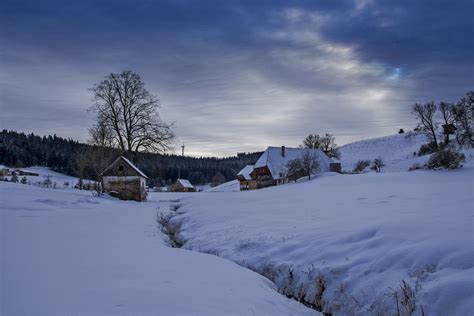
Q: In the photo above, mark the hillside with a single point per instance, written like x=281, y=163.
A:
x=397, y=151
x=348, y=243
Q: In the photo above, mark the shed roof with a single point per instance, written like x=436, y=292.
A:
x=185, y=183
x=245, y=172
x=128, y=162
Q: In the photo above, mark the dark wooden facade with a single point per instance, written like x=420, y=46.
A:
x=125, y=181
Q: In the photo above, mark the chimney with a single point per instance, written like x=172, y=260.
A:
x=283, y=151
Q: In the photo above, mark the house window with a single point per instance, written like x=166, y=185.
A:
x=120, y=168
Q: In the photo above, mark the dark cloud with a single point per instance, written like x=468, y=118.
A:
x=238, y=75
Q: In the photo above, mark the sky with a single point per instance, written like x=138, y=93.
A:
x=237, y=76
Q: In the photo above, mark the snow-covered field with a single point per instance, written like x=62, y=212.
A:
x=347, y=243
x=65, y=252
x=390, y=243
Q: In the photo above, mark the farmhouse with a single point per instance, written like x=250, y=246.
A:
x=183, y=185
x=271, y=168
x=123, y=180
x=245, y=178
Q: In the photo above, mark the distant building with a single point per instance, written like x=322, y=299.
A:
x=5, y=172
x=271, y=168
x=20, y=172
x=124, y=180
x=245, y=178
x=182, y=185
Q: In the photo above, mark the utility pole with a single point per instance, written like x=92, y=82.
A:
x=179, y=167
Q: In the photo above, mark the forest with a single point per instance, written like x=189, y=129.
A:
x=85, y=161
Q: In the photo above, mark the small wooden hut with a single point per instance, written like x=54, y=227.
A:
x=124, y=180
x=182, y=185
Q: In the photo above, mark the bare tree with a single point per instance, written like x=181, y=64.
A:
x=293, y=167
x=101, y=135
x=326, y=143
x=218, y=179
x=309, y=163
x=463, y=113
x=425, y=113
x=129, y=112
x=92, y=160
x=312, y=141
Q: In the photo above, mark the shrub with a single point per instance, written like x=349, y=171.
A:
x=426, y=149
x=377, y=164
x=14, y=178
x=47, y=182
x=446, y=158
x=23, y=180
x=361, y=165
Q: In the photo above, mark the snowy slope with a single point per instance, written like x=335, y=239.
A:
x=64, y=252
x=231, y=186
x=347, y=242
x=397, y=151
x=43, y=173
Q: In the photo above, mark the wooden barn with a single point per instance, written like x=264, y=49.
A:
x=182, y=185
x=245, y=178
x=124, y=180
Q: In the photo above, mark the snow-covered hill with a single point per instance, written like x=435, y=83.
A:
x=397, y=151
x=58, y=180
x=351, y=244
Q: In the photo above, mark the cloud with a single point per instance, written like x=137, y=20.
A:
x=237, y=76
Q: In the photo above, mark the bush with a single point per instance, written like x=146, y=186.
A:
x=47, y=182
x=14, y=178
x=446, y=158
x=361, y=165
x=426, y=149
x=23, y=180
x=377, y=164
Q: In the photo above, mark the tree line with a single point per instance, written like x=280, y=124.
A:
x=87, y=161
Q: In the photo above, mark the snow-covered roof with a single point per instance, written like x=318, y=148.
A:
x=276, y=162
x=128, y=162
x=245, y=172
x=186, y=184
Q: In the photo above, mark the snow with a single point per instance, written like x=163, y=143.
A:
x=246, y=171
x=273, y=159
x=398, y=152
x=65, y=252
x=43, y=174
x=231, y=186
x=344, y=243
x=186, y=183
x=361, y=234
